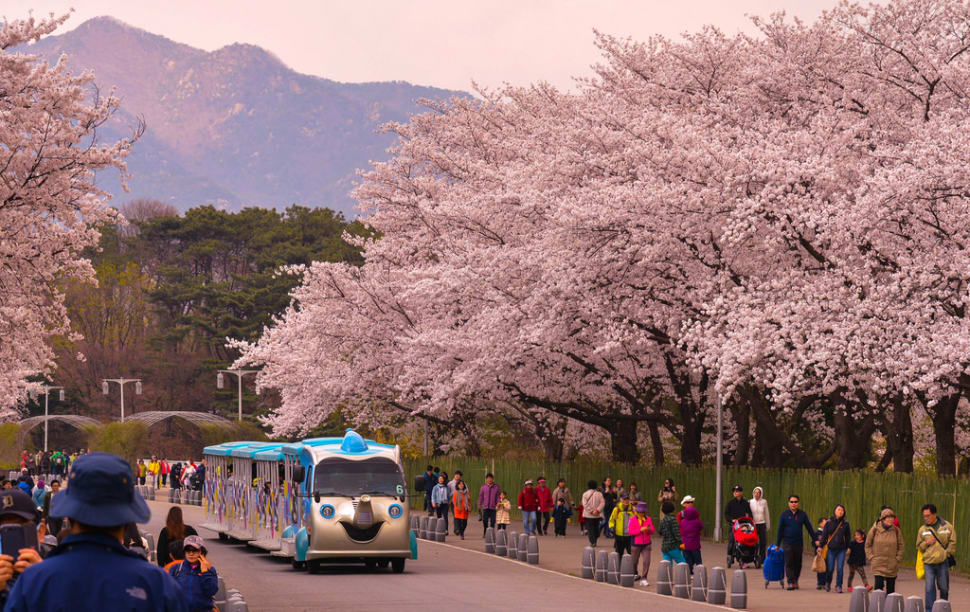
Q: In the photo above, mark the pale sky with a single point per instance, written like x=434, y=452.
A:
x=426, y=42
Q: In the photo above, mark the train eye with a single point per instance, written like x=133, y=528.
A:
x=395, y=511
x=327, y=511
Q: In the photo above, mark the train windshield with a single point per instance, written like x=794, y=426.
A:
x=343, y=478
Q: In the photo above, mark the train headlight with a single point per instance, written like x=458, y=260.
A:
x=395, y=511
x=327, y=511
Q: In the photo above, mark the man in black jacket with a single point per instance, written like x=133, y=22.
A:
x=735, y=509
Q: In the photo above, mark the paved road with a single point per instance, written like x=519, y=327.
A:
x=445, y=577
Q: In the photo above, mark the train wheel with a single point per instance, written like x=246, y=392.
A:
x=223, y=537
x=397, y=565
x=313, y=566
x=298, y=565
x=370, y=564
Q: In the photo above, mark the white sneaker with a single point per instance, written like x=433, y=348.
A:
x=644, y=583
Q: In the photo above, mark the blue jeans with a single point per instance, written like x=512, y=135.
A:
x=529, y=521
x=675, y=556
x=835, y=564
x=692, y=558
x=937, y=575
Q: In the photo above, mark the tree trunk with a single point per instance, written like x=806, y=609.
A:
x=852, y=439
x=656, y=442
x=741, y=413
x=944, y=415
x=623, y=443
x=899, y=435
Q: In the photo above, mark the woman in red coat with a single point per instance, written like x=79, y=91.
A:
x=545, y=506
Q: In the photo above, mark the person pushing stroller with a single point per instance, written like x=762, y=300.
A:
x=736, y=508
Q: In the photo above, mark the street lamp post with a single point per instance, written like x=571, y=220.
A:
x=121, y=383
x=720, y=462
x=47, y=393
x=239, y=376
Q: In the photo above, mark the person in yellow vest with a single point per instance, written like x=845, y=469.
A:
x=153, y=469
x=142, y=471
x=619, y=519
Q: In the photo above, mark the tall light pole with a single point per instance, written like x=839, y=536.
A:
x=47, y=393
x=720, y=465
x=121, y=383
x=239, y=376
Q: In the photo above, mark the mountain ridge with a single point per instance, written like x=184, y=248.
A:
x=234, y=126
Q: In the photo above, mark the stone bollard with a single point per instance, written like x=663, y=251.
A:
x=613, y=568
x=522, y=548
x=665, y=576
x=941, y=605
x=490, y=541
x=627, y=574
x=501, y=543
x=441, y=530
x=601, y=560
x=877, y=600
x=717, y=587
x=151, y=493
x=698, y=591
x=739, y=590
x=533, y=551
x=915, y=604
x=171, y=495
x=859, y=602
x=513, y=544
x=589, y=562
x=894, y=603
x=423, y=527
x=681, y=587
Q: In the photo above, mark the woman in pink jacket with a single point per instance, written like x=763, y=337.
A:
x=639, y=528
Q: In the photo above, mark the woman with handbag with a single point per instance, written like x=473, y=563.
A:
x=837, y=534
x=884, y=550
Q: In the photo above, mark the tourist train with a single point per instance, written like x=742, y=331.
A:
x=315, y=501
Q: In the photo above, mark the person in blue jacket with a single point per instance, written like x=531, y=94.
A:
x=91, y=569
x=196, y=575
x=791, y=541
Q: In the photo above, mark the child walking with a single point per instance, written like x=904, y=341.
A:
x=503, y=511
x=640, y=528
x=461, y=505
x=560, y=516
x=822, y=576
x=857, y=558
x=670, y=532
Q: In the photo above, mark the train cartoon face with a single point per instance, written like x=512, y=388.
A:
x=355, y=501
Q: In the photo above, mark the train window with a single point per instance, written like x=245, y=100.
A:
x=344, y=478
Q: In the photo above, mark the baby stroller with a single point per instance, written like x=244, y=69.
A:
x=744, y=543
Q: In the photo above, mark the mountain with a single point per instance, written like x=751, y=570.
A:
x=235, y=126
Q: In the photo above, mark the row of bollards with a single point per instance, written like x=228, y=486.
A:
x=520, y=546
x=878, y=601
x=229, y=600
x=181, y=496
x=610, y=567
x=429, y=528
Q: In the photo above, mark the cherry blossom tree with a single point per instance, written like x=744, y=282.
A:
x=50, y=206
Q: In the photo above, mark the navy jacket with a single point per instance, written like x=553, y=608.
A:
x=199, y=587
x=95, y=572
x=790, y=528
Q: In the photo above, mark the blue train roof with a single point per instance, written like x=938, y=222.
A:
x=352, y=445
x=250, y=452
x=225, y=448
x=274, y=453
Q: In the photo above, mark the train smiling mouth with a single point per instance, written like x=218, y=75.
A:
x=358, y=534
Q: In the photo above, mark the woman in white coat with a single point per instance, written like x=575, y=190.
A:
x=762, y=519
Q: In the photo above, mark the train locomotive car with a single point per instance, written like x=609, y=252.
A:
x=354, y=503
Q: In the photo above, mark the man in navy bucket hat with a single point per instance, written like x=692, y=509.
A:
x=91, y=569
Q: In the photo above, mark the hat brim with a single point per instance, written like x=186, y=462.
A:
x=29, y=516
x=100, y=515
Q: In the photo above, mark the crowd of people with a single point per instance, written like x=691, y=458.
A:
x=84, y=537
x=158, y=473
x=618, y=512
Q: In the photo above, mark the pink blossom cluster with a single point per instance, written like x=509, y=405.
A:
x=779, y=221
x=50, y=206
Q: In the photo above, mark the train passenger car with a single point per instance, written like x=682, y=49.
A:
x=245, y=487
x=272, y=485
x=218, y=461
x=354, y=504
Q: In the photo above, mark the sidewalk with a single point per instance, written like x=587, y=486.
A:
x=565, y=555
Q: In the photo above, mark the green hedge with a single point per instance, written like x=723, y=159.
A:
x=861, y=492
